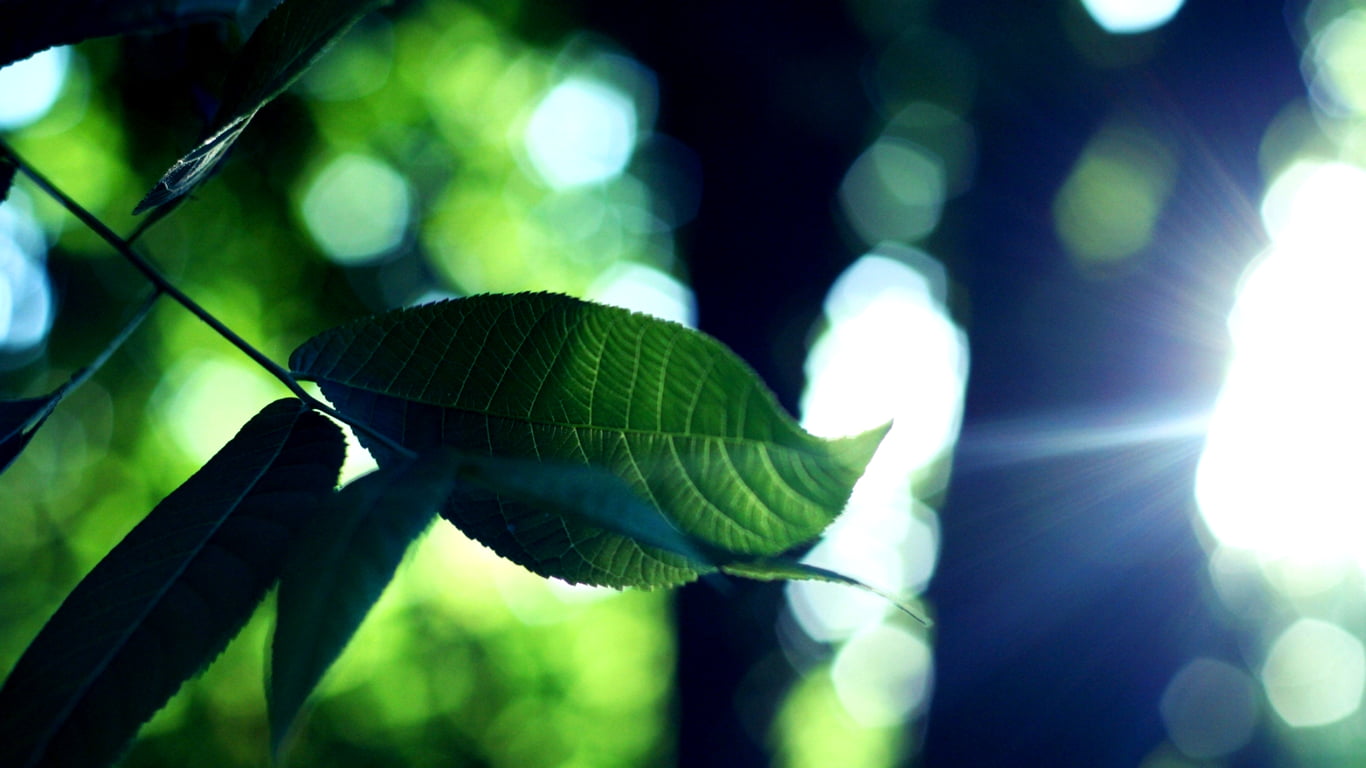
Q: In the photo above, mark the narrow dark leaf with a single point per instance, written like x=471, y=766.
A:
x=20, y=419
x=168, y=598
x=19, y=422
x=194, y=167
x=671, y=412
x=33, y=25
x=7, y=170
x=281, y=49
x=341, y=565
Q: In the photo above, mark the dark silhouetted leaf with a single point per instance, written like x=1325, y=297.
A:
x=339, y=569
x=195, y=167
x=7, y=170
x=19, y=422
x=683, y=421
x=20, y=419
x=33, y=25
x=281, y=49
x=168, y=598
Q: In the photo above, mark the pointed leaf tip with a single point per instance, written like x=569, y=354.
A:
x=279, y=51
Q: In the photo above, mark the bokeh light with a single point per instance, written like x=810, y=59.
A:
x=1107, y=208
x=889, y=352
x=356, y=208
x=582, y=132
x=204, y=400
x=26, y=304
x=31, y=86
x=1210, y=709
x=1337, y=54
x=1131, y=16
x=1315, y=673
x=894, y=191
x=882, y=675
x=641, y=288
x=1279, y=470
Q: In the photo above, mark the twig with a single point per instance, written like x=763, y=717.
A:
x=163, y=285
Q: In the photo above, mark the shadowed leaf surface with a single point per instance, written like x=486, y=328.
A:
x=168, y=598
x=33, y=25
x=339, y=569
x=281, y=49
x=682, y=420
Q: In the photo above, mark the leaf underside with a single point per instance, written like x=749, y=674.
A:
x=168, y=598
x=278, y=52
x=677, y=416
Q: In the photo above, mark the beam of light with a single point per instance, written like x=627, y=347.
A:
x=1280, y=467
x=1055, y=435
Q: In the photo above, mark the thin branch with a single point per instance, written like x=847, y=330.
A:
x=163, y=285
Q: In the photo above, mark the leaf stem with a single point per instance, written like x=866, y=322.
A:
x=163, y=285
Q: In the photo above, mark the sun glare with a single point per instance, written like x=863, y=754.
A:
x=1279, y=471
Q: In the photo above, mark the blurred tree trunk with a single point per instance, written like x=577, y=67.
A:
x=1070, y=588
x=767, y=94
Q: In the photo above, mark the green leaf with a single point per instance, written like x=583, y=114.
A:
x=33, y=25
x=281, y=49
x=340, y=567
x=592, y=495
x=604, y=500
x=168, y=598
x=677, y=416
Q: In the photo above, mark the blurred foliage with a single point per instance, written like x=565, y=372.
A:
x=468, y=659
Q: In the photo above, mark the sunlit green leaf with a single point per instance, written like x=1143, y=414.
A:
x=669, y=410
x=168, y=598
x=281, y=49
x=32, y=25
x=340, y=567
